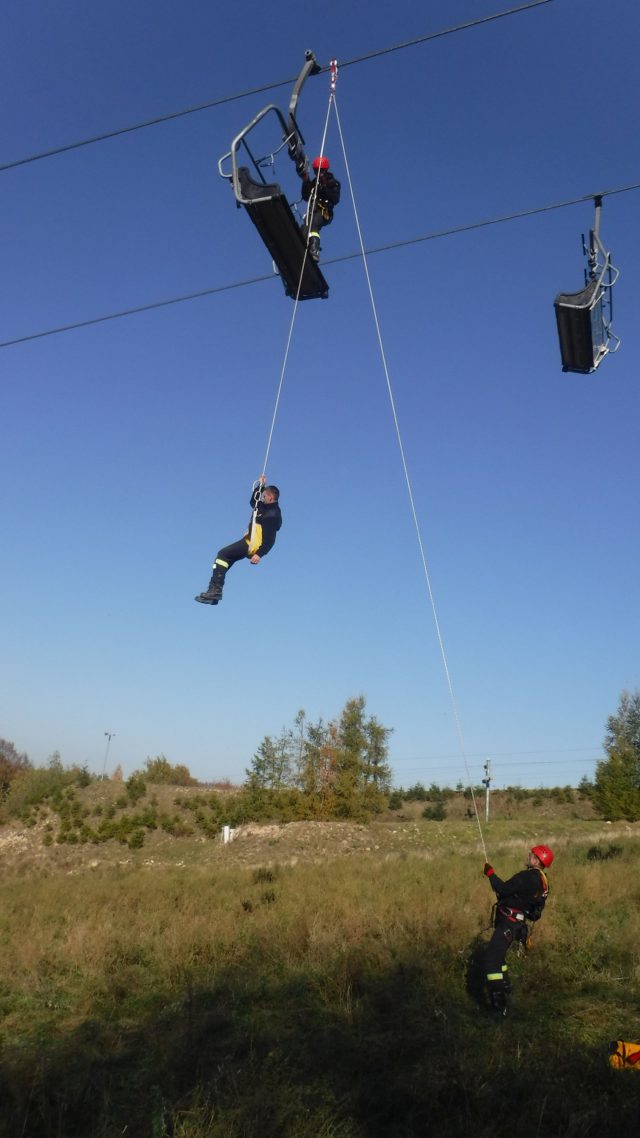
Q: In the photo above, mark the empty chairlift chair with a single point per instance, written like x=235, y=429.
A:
x=584, y=317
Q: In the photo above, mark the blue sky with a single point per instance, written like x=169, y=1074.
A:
x=129, y=447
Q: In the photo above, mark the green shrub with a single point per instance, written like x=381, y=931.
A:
x=435, y=813
x=136, y=788
x=175, y=826
x=35, y=785
x=416, y=793
x=598, y=853
x=160, y=770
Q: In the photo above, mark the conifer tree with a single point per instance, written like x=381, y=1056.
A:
x=617, y=783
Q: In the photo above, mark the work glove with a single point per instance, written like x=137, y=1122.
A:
x=488, y=869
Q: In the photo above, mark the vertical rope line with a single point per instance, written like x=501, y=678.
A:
x=408, y=482
x=295, y=306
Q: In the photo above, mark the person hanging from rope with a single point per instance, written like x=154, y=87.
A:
x=322, y=193
x=520, y=899
x=260, y=537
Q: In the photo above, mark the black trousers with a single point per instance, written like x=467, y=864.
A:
x=228, y=556
x=505, y=934
x=317, y=221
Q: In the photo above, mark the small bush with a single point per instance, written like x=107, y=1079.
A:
x=160, y=770
x=597, y=853
x=417, y=793
x=435, y=813
x=136, y=788
x=175, y=826
x=263, y=875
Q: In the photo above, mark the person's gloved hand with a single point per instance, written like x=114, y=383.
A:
x=488, y=869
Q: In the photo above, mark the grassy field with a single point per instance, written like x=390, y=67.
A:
x=314, y=980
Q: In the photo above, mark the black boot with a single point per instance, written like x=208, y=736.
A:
x=498, y=998
x=213, y=592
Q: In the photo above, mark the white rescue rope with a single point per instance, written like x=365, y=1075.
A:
x=408, y=482
x=295, y=306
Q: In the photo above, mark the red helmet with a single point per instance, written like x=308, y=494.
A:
x=320, y=163
x=544, y=854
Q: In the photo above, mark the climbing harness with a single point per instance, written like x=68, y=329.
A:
x=255, y=531
x=512, y=914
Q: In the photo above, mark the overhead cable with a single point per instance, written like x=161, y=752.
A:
x=502, y=754
x=260, y=90
x=330, y=261
x=415, y=764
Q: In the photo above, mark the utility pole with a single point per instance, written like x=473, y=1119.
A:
x=487, y=785
x=110, y=735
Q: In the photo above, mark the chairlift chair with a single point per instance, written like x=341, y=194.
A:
x=267, y=205
x=584, y=317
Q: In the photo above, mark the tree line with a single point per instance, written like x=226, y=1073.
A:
x=334, y=769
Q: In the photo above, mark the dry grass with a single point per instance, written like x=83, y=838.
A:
x=189, y=996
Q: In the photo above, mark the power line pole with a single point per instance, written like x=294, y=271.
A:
x=487, y=785
x=110, y=735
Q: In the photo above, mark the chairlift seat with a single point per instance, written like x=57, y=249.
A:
x=581, y=328
x=273, y=217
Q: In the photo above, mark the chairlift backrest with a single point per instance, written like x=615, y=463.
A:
x=581, y=328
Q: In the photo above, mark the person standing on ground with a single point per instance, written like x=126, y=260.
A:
x=519, y=900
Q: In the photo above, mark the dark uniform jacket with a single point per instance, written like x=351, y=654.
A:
x=523, y=892
x=328, y=193
x=268, y=520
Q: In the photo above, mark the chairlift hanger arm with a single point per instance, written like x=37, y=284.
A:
x=311, y=67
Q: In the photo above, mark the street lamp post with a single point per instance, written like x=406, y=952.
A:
x=487, y=785
x=110, y=735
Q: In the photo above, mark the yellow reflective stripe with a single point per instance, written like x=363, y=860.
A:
x=494, y=975
x=224, y=564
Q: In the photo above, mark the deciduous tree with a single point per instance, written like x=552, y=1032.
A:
x=12, y=763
